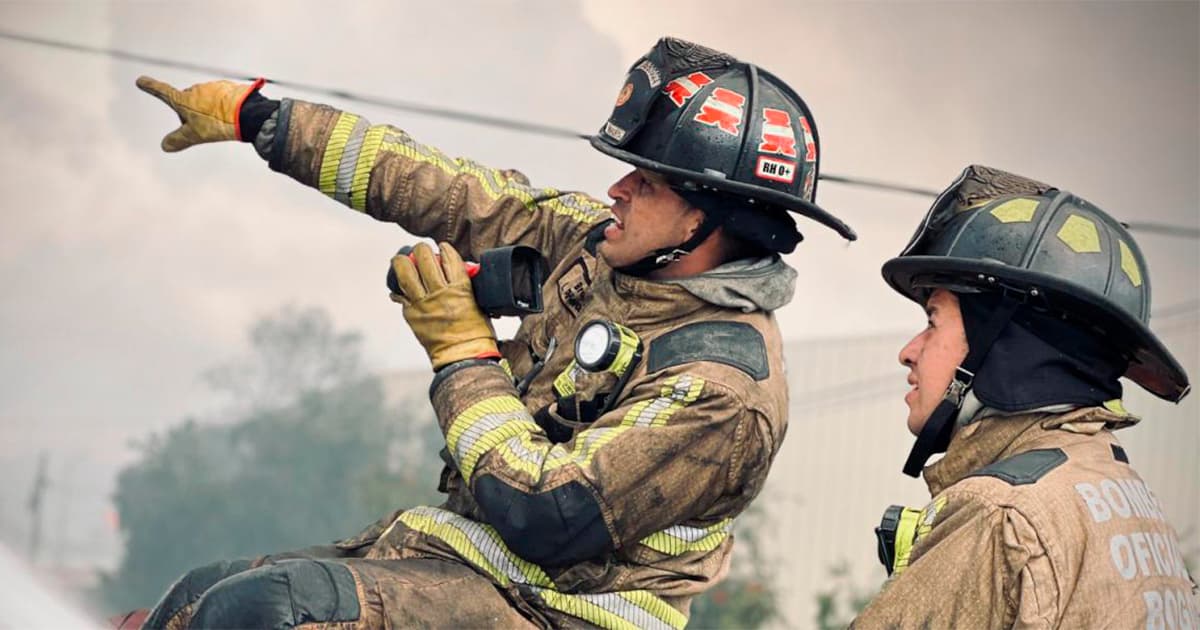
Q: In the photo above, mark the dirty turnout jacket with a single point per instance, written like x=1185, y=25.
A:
x=614, y=523
x=1039, y=521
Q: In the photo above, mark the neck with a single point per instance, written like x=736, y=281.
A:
x=710, y=254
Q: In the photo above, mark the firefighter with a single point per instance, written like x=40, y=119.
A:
x=595, y=463
x=1038, y=303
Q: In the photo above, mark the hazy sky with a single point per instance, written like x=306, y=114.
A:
x=125, y=271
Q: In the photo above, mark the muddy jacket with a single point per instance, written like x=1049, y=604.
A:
x=608, y=520
x=1038, y=521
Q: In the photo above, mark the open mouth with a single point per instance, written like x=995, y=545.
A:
x=614, y=229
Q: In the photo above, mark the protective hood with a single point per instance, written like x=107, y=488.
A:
x=749, y=284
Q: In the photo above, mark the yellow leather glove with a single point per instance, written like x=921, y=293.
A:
x=208, y=112
x=440, y=307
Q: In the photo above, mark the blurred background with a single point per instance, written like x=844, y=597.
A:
x=198, y=358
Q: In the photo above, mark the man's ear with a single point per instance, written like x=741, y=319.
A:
x=693, y=219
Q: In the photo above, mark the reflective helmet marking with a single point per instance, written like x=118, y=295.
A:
x=1129, y=265
x=1016, y=210
x=723, y=110
x=810, y=145
x=777, y=134
x=1080, y=235
x=683, y=88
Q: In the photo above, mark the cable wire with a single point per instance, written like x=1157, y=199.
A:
x=499, y=122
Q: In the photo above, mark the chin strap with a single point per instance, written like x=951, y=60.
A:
x=660, y=258
x=935, y=435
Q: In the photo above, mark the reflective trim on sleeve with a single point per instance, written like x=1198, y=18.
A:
x=481, y=546
x=680, y=539
x=346, y=166
x=624, y=610
x=495, y=184
x=362, y=167
x=677, y=392
x=483, y=426
x=478, y=544
x=520, y=453
x=333, y=152
x=587, y=443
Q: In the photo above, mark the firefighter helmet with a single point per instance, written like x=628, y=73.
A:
x=711, y=123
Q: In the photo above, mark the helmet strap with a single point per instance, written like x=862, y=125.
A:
x=935, y=435
x=664, y=256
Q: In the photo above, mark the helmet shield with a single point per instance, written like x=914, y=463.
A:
x=995, y=231
x=709, y=122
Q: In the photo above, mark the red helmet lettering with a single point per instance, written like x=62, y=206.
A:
x=777, y=134
x=723, y=110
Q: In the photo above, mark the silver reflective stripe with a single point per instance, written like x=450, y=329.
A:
x=534, y=457
x=473, y=433
x=679, y=393
x=621, y=607
x=345, y=172
x=478, y=536
x=693, y=534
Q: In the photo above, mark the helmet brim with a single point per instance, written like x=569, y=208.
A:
x=781, y=199
x=1151, y=365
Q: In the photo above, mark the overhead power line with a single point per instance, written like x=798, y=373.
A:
x=498, y=122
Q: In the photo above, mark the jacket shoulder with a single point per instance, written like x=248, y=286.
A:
x=737, y=344
x=1024, y=468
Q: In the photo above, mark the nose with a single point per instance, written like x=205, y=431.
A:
x=620, y=189
x=912, y=350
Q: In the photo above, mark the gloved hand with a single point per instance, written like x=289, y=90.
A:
x=208, y=112
x=440, y=307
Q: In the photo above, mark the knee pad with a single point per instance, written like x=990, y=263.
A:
x=281, y=595
x=187, y=589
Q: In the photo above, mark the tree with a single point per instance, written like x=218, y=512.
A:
x=307, y=459
x=747, y=598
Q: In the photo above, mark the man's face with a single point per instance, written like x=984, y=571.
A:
x=649, y=215
x=932, y=357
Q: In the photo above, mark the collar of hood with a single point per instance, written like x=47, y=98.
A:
x=749, y=284
x=994, y=435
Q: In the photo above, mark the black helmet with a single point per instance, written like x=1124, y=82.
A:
x=995, y=231
x=1038, y=247
x=711, y=123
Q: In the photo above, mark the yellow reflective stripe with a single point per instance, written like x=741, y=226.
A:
x=333, y=152
x=482, y=546
x=362, y=168
x=680, y=539
x=478, y=544
x=677, y=392
x=623, y=610
x=504, y=365
x=587, y=443
x=483, y=426
x=906, y=533
x=495, y=184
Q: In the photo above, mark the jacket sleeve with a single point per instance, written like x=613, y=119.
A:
x=678, y=443
x=976, y=564
x=382, y=171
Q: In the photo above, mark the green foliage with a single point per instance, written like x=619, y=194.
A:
x=291, y=468
x=842, y=600
x=747, y=598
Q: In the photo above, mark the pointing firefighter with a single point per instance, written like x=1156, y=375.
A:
x=595, y=462
x=1038, y=302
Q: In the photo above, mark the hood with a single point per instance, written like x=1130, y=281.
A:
x=749, y=284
